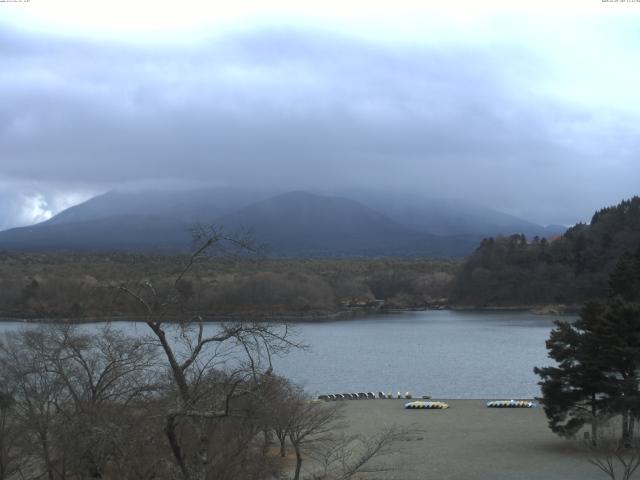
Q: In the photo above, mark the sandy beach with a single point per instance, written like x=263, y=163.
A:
x=471, y=442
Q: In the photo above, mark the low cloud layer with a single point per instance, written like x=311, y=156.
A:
x=306, y=108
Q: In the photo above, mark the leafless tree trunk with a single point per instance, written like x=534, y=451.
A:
x=11, y=459
x=189, y=360
x=616, y=457
x=344, y=457
x=311, y=423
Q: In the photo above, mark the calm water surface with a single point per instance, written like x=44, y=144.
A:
x=446, y=354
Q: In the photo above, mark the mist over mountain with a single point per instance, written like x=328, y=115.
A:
x=186, y=205
x=296, y=223
x=448, y=216
x=140, y=232
x=301, y=223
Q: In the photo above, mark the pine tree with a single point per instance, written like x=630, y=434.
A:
x=598, y=360
x=618, y=334
x=625, y=279
x=576, y=391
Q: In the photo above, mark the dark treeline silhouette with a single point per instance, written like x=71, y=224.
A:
x=569, y=269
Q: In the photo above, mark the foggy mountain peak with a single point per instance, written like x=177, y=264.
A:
x=503, y=109
x=296, y=223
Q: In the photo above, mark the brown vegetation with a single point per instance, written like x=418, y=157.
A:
x=77, y=286
x=180, y=402
x=77, y=406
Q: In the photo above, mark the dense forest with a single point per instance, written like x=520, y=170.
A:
x=82, y=287
x=569, y=269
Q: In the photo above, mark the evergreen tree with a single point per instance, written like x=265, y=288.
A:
x=576, y=391
x=569, y=269
x=598, y=360
x=625, y=279
x=617, y=332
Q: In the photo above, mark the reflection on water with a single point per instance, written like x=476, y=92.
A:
x=446, y=354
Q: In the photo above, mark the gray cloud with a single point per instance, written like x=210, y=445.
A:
x=304, y=109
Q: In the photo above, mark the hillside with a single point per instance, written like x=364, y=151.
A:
x=304, y=223
x=573, y=268
x=449, y=217
x=291, y=224
x=192, y=205
x=119, y=232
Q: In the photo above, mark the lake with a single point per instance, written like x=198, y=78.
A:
x=443, y=353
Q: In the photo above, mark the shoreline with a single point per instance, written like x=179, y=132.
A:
x=342, y=315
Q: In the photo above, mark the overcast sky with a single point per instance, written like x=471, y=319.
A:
x=532, y=108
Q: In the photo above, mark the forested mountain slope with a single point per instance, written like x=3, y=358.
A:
x=569, y=269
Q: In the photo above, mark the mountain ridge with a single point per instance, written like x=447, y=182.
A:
x=294, y=223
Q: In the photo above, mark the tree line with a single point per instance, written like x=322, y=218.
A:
x=77, y=286
x=569, y=269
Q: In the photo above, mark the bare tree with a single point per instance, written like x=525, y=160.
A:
x=70, y=390
x=283, y=399
x=345, y=457
x=314, y=429
x=243, y=348
x=104, y=375
x=38, y=394
x=311, y=423
x=616, y=456
x=11, y=436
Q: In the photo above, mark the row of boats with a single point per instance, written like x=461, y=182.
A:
x=420, y=404
x=510, y=404
x=427, y=405
x=491, y=404
x=367, y=396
